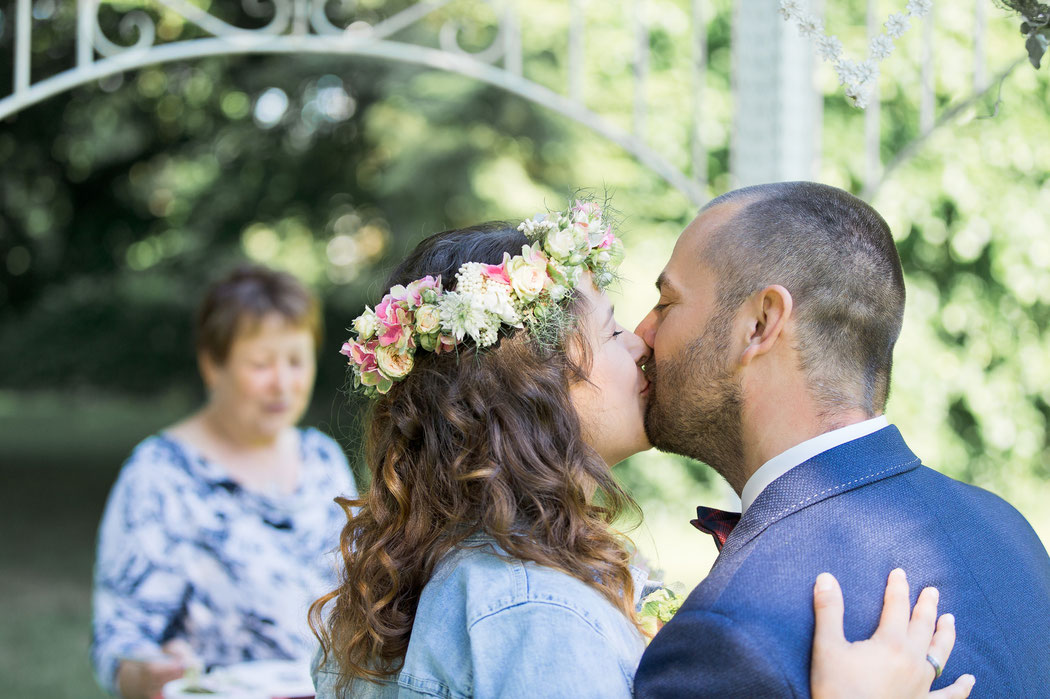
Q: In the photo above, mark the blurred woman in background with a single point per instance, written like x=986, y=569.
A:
x=215, y=536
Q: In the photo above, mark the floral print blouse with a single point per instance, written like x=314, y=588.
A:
x=186, y=552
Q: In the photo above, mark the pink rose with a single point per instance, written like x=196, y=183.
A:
x=414, y=291
x=587, y=208
x=396, y=322
x=498, y=272
x=398, y=293
x=363, y=355
x=387, y=309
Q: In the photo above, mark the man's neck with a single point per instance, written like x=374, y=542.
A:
x=772, y=432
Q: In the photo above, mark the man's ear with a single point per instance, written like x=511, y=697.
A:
x=768, y=312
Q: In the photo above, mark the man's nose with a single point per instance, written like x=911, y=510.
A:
x=647, y=329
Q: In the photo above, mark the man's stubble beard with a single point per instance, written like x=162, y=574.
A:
x=695, y=404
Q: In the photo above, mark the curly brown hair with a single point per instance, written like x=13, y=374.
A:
x=483, y=441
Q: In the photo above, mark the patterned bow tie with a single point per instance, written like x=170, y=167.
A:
x=716, y=523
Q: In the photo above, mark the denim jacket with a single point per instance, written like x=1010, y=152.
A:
x=490, y=626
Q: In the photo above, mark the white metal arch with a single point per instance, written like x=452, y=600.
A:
x=301, y=26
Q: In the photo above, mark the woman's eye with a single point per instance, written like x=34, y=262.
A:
x=617, y=333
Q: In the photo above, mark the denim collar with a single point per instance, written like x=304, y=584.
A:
x=847, y=467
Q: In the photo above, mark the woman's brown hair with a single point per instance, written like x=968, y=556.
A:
x=480, y=441
x=241, y=299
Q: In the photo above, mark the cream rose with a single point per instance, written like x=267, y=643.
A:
x=393, y=362
x=527, y=279
x=366, y=325
x=561, y=243
x=428, y=319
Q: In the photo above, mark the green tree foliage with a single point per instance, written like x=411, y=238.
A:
x=120, y=199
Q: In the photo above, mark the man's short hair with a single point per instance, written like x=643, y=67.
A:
x=835, y=254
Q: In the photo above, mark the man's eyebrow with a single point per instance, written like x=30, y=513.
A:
x=663, y=282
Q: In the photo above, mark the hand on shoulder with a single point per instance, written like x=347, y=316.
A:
x=897, y=661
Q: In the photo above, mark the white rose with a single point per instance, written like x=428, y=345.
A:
x=560, y=243
x=366, y=325
x=573, y=274
x=527, y=279
x=393, y=362
x=428, y=319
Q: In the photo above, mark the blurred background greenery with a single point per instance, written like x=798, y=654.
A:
x=120, y=199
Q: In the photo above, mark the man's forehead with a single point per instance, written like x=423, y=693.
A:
x=687, y=256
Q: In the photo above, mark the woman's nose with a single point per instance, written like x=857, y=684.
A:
x=283, y=377
x=639, y=350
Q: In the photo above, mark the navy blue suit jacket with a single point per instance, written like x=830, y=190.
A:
x=858, y=511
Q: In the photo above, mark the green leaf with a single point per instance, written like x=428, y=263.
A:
x=1036, y=45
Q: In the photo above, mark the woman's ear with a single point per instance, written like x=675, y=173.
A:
x=209, y=369
x=769, y=311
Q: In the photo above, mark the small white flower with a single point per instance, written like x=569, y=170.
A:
x=789, y=9
x=919, y=8
x=859, y=94
x=897, y=24
x=486, y=336
x=829, y=48
x=867, y=72
x=537, y=226
x=497, y=301
x=462, y=315
x=881, y=47
x=810, y=26
x=853, y=73
x=470, y=279
x=847, y=71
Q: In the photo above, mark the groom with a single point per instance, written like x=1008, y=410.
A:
x=772, y=347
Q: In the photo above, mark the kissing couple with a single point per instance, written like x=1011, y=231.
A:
x=483, y=561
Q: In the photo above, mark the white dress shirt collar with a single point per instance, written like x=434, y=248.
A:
x=785, y=461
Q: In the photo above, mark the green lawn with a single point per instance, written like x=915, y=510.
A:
x=48, y=513
x=59, y=456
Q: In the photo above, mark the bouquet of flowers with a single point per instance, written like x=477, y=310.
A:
x=658, y=607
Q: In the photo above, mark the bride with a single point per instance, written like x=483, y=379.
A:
x=483, y=560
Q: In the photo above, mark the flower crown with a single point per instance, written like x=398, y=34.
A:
x=524, y=290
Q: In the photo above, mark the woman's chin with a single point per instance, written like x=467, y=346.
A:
x=627, y=451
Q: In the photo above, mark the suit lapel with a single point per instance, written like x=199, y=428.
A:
x=847, y=467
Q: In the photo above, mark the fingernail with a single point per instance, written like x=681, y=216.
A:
x=898, y=574
x=934, y=593
x=825, y=582
x=948, y=619
x=970, y=679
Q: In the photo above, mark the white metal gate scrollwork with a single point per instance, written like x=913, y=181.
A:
x=303, y=26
